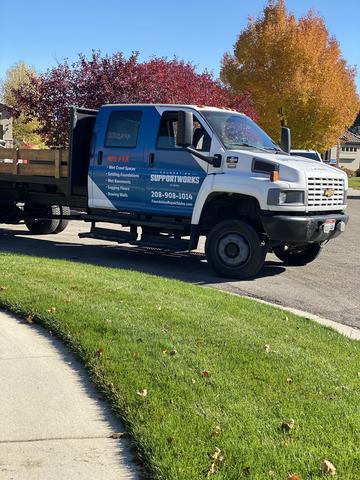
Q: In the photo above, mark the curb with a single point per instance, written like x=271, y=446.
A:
x=353, y=194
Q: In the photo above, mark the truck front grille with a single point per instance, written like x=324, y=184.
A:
x=325, y=192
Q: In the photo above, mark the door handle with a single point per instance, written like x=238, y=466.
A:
x=151, y=159
x=100, y=157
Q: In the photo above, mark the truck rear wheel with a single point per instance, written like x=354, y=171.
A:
x=234, y=249
x=37, y=226
x=65, y=211
x=297, y=255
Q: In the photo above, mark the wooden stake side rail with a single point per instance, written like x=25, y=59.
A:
x=24, y=162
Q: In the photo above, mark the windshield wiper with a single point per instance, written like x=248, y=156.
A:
x=274, y=149
x=229, y=145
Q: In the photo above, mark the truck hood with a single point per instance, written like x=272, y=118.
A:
x=291, y=167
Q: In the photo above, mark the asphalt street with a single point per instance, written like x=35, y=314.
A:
x=328, y=287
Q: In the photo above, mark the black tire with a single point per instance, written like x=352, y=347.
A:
x=297, y=255
x=234, y=249
x=42, y=227
x=65, y=211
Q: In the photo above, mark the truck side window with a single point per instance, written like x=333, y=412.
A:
x=123, y=129
x=167, y=133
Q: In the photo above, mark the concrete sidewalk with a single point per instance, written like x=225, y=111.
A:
x=52, y=423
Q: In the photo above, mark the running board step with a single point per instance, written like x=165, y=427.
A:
x=163, y=243
x=148, y=241
x=117, y=236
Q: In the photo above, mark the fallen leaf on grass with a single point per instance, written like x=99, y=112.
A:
x=288, y=425
x=217, y=431
x=193, y=381
x=205, y=373
x=100, y=351
x=293, y=476
x=289, y=380
x=118, y=435
x=171, y=352
x=328, y=467
x=217, y=460
x=267, y=348
x=30, y=318
x=142, y=393
x=2, y=288
x=246, y=471
x=51, y=310
x=135, y=354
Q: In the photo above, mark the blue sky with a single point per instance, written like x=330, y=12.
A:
x=44, y=32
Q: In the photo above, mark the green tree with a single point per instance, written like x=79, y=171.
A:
x=295, y=65
x=25, y=128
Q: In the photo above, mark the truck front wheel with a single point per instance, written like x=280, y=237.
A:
x=297, y=255
x=38, y=226
x=234, y=249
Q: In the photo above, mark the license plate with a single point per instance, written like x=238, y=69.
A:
x=329, y=225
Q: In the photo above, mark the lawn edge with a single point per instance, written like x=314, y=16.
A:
x=344, y=330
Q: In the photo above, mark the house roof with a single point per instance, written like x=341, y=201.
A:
x=349, y=137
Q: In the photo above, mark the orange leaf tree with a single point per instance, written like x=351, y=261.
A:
x=295, y=65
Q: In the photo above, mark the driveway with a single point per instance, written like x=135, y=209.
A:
x=329, y=287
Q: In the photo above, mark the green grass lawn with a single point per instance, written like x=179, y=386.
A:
x=354, y=182
x=211, y=382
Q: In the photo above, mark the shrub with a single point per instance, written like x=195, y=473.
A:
x=350, y=173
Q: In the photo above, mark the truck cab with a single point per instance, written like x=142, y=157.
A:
x=225, y=178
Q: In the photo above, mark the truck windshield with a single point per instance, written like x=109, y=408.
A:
x=236, y=130
x=311, y=155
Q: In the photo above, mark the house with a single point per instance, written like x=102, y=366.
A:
x=6, y=126
x=347, y=153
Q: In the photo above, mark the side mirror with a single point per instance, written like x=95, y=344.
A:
x=286, y=139
x=184, y=134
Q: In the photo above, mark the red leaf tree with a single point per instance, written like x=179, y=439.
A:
x=92, y=82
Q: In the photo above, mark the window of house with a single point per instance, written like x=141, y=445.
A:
x=167, y=133
x=123, y=129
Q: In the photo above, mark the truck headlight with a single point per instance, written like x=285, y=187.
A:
x=276, y=196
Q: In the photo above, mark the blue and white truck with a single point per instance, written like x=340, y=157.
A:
x=169, y=174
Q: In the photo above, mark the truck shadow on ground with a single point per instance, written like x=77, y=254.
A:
x=181, y=266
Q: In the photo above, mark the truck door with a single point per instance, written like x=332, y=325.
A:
x=175, y=176
x=117, y=161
